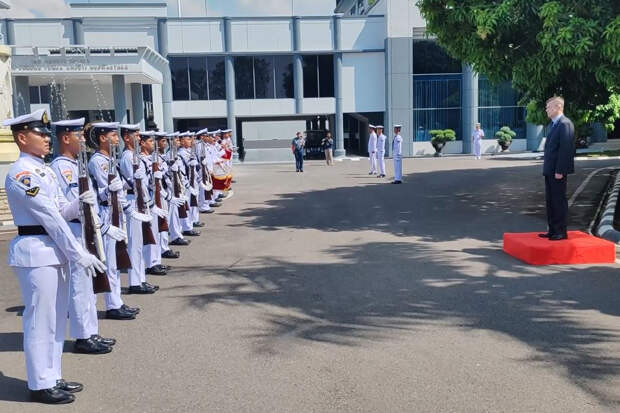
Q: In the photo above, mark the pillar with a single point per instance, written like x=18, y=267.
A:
x=120, y=104
x=230, y=81
x=137, y=104
x=21, y=96
x=470, y=106
x=298, y=67
x=166, y=87
x=10, y=32
x=78, y=32
x=338, y=116
x=534, y=135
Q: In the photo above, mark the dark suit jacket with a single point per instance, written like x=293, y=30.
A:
x=560, y=148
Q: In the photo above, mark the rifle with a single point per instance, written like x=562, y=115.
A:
x=176, y=179
x=116, y=215
x=206, y=176
x=193, y=199
x=147, y=233
x=91, y=235
x=162, y=222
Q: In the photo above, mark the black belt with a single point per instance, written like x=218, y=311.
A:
x=75, y=221
x=104, y=203
x=31, y=230
x=130, y=192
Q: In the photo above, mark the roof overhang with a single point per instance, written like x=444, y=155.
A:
x=137, y=64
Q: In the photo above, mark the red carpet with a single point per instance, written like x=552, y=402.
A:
x=579, y=248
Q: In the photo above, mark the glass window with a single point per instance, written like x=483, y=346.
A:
x=217, y=77
x=180, y=78
x=498, y=105
x=198, y=78
x=326, y=76
x=437, y=103
x=427, y=120
x=284, y=77
x=429, y=57
x=44, y=92
x=34, y=94
x=244, y=77
x=311, y=85
x=263, y=77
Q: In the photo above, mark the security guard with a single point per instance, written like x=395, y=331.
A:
x=83, y=323
x=39, y=256
x=381, y=151
x=397, y=155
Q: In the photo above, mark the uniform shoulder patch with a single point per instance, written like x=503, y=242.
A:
x=32, y=191
x=68, y=175
x=24, y=178
x=104, y=166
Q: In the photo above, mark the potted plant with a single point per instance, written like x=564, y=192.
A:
x=439, y=137
x=504, y=137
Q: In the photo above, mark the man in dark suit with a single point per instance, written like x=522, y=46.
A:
x=558, y=163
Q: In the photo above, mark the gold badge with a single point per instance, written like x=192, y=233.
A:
x=32, y=191
x=44, y=119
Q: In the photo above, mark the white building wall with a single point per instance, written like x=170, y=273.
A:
x=317, y=34
x=363, y=33
x=264, y=107
x=82, y=96
x=319, y=106
x=402, y=16
x=130, y=33
x=267, y=130
x=195, y=36
x=43, y=33
x=193, y=109
x=262, y=35
x=363, y=82
x=158, y=107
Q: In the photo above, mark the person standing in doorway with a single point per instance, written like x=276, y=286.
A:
x=328, y=145
x=372, y=149
x=297, y=146
x=476, y=138
x=557, y=165
x=397, y=155
x=381, y=151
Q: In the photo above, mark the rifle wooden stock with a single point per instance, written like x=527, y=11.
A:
x=101, y=284
x=177, y=194
x=122, y=257
x=161, y=222
x=147, y=233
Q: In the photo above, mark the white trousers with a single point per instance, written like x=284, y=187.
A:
x=381, y=162
x=398, y=168
x=203, y=202
x=45, y=294
x=113, y=300
x=174, y=223
x=152, y=253
x=134, y=233
x=477, y=148
x=373, y=162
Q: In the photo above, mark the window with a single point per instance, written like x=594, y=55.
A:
x=360, y=6
x=430, y=58
x=198, y=78
x=437, y=104
x=318, y=76
x=264, y=77
x=40, y=94
x=498, y=105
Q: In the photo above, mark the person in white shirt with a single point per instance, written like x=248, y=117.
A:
x=381, y=151
x=476, y=138
x=372, y=149
x=397, y=155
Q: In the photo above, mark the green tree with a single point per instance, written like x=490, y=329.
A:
x=569, y=48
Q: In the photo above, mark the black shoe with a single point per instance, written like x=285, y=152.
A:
x=107, y=341
x=207, y=211
x=199, y=224
x=141, y=289
x=165, y=267
x=180, y=241
x=545, y=235
x=134, y=310
x=558, y=237
x=171, y=254
x=119, y=314
x=215, y=205
x=90, y=346
x=371, y=173
x=191, y=233
x=397, y=182
x=149, y=285
x=51, y=396
x=155, y=270
x=69, y=386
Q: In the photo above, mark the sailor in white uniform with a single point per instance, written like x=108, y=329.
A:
x=381, y=151
x=39, y=256
x=397, y=155
x=191, y=188
x=203, y=154
x=99, y=136
x=175, y=222
x=166, y=194
x=83, y=323
x=372, y=149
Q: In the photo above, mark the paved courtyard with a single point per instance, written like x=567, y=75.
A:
x=330, y=291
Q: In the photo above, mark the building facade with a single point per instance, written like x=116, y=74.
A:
x=264, y=77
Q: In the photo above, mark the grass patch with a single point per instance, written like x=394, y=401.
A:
x=599, y=154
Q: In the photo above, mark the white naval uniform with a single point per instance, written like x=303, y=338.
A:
x=372, y=152
x=166, y=195
x=193, y=215
x=151, y=252
x=397, y=156
x=175, y=226
x=83, y=321
x=40, y=263
x=203, y=202
x=98, y=170
x=381, y=153
x=477, y=136
x=136, y=273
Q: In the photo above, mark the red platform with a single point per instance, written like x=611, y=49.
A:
x=579, y=248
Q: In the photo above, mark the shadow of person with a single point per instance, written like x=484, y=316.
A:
x=18, y=310
x=11, y=342
x=13, y=389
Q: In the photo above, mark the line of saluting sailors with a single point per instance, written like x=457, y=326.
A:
x=48, y=256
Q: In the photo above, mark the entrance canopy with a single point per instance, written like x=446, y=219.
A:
x=42, y=64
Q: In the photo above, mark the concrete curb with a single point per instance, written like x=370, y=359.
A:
x=605, y=227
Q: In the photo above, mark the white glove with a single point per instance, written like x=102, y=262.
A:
x=97, y=220
x=206, y=187
x=177, y=202
x=159, y=212
x=158, y=175
x=116, y=233
x=116, y=185
x=139, y=174
x=138, y=216
x=174, y=167
x=90, y=262
x=193, y=191
x=193, y=162
x=88, y=197
x=204, y=162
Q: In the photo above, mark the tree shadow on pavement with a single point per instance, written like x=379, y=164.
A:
x=13, y=389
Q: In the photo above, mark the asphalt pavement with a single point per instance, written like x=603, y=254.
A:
x=334, y=291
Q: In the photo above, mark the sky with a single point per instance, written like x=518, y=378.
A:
x=60, y=8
